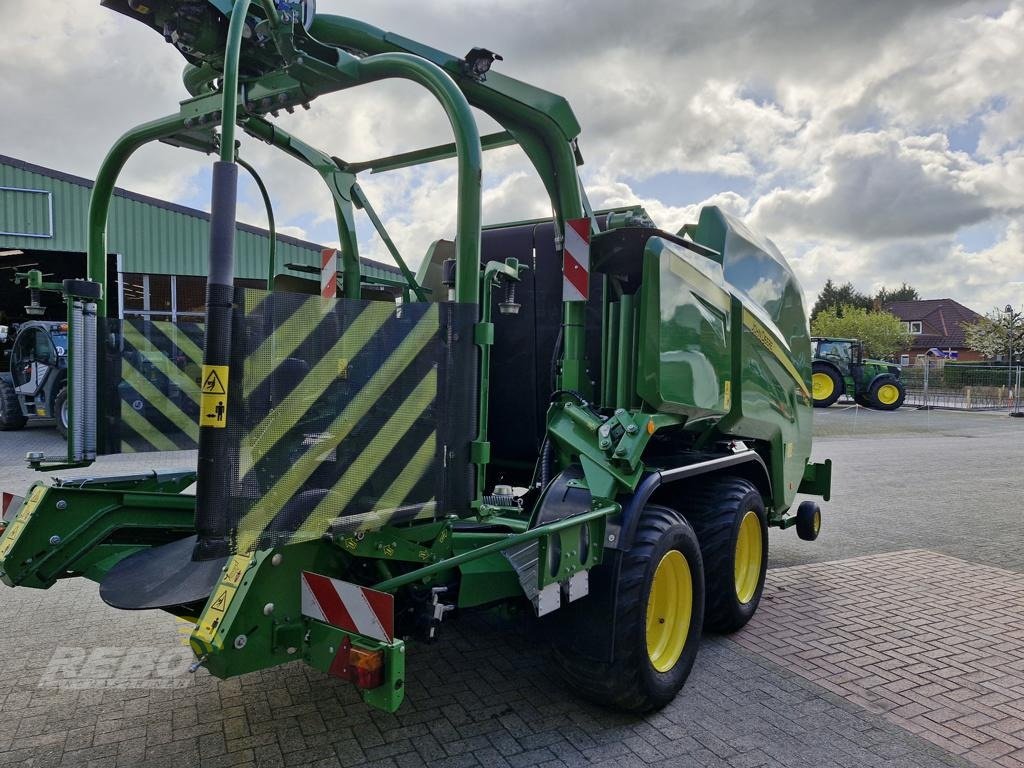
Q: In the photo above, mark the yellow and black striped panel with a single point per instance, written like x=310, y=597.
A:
x=334, y=414
x=157, y=404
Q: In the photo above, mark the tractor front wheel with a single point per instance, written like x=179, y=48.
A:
x=887, y=395
x=826, y=385
x=11, y=416
x=729, y=517
x=658, y=619
x=60, y=412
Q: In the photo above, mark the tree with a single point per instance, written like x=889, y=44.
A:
x=835, y=298
x=991, y=334
x=881, y=333
x=885, y=297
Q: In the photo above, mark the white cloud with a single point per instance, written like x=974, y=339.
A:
x=865, y=135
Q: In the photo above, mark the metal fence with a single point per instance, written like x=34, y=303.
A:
x=963, y=387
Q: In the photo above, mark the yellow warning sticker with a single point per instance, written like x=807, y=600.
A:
x=10, y=536
x=215, y=611
x=213, y=404
x=215, y=379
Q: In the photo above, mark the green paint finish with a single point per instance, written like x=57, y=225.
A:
x=684, y=354
x=570, y=550
x=83, y=519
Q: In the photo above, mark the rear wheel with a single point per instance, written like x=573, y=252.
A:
x=826, y=385
x=887, y=395
x=11, y=416
x=60, y=411
x=729, y=518
x=658, y=619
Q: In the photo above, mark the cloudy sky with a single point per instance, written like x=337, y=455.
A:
x=877, y=141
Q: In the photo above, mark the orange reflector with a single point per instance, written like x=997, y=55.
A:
x=650, y=427
x=363, y=668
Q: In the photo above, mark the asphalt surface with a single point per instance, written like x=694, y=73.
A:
x=947, y=481
x=488, y=694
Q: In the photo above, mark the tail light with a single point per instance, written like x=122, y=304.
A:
x=365, y=669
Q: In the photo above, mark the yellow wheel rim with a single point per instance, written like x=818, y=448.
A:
x=817, y=521
x=821, y=386
x=748, y=557
x=888, y=394
x=669, y=606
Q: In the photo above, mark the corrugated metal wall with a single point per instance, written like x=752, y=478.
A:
x=157, y=239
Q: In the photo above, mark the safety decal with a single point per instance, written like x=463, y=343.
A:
x=213, y=406
x=350, y=607
x=10, y=505
x=13, y=531
x=576, y=260
x=217, y=607
x=328, y=273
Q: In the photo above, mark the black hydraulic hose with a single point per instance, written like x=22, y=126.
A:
x=545, y=462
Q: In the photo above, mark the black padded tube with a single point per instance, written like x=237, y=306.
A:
x=212, y=478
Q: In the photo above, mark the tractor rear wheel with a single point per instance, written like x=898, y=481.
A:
x=887, y=395
x=729, y=517
x=826, y=385
x=11, y=416
x=658, y=619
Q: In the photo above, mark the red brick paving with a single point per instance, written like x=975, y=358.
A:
x=933, y=643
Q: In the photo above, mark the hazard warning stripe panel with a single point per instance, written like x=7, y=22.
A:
x=337, y=442
x=333, y=415
x=356, y=609
x=156, y=367
x=576, y=260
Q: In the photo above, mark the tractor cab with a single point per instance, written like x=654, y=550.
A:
x=35, y=387
x=841, y=368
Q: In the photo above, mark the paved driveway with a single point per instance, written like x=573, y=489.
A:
x=912, y=596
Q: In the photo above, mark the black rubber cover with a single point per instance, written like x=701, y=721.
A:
x=85, y=289
x=161, y=577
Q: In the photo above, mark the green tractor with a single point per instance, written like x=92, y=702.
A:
x=36, y=385
x=586, y=417
x=840, y=368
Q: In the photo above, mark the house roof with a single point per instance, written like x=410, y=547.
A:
x=942, y=321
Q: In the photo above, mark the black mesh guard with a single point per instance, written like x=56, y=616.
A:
x=148, y=385
x=344, y=416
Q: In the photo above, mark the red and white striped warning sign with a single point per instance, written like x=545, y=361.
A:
x=576, y=260
x=10, y=504
x=328, y=273
x=348, y=606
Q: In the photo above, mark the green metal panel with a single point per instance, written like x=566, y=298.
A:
x=685, y=359
x=151, y=235
x=25, y=212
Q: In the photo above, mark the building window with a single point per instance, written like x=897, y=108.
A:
x=178, y=298
x=914, y=326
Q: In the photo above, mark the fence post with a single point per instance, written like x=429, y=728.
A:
x=926, y=367
x=1016, y=397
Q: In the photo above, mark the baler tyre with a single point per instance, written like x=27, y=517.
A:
x=11, y=417
x=888, y=395
x=729, y=517
x=60, y=412
x=826, y=385
x=659, y=616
